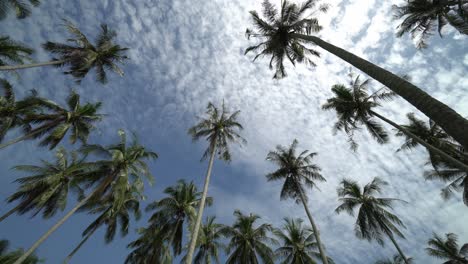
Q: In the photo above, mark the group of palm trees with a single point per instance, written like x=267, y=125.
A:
x=109, y=180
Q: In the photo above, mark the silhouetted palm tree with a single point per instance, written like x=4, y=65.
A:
x=82, y=56
x=10, y=257
x=13, y=52
x=125, y=164
x=298, y=243
x=373, y=219
x=448, y=249
x=54, y=121
x=285, y=33
x=20, y=7
x=48, y=187
x=420, y=17
x=249, y=244
x=297, y=171
x=397, y=259
x=219, y=128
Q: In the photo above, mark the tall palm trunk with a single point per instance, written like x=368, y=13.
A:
x=452, y=122
x=398, y=248
x=445, y=156
x=67, y=259
x=193, y=241
x=314, y=227
x=29, y=135
x=32, y=65
x=10, y=212
x=98, y=189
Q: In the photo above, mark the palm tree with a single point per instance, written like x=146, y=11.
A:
x=13, y=112
x=48, y=187
x=150, y=247
x=112, y=216
x=297, y=172
x=248, y=244
x=124, y=166
x=219, y=128
x=285, y=34
x=354, y=107
x=13, y=52
x=396, y=260
x=55, y=121
x=448, y=249
x=20, y=7
x=83, y=56
x=298, y=243
x=420, y=17
x=10, y=257
x=373, y=220
x=176, y=210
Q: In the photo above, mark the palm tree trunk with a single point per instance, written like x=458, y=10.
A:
x=193, y=241
x=98, y=189
x=452, y=122
x=67, y=259
x=398, y=248
x=32, y=65
x=314, y=227
x=429, y=147
x=10, y=212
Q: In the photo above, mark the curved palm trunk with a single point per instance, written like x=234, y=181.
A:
x=67, y=259
x=316, y=231
x=447, y=157
x=398, y=248
x=61, y=221
x=452, y=122
x=32, y=65
x=196, y=229
x=10, y=212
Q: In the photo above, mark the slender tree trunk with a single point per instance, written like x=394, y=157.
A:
x=193, y=241
x=32, y=65
x=447, y=157
x=398, y=248
x=452, y=122
x=314, y=227
x=65, y=218
x=67, y=259
x=10, y=212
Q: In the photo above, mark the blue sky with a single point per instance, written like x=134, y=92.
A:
x=185, y=54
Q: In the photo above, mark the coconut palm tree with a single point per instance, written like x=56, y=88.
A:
x=10, y=257
x=447, y=249
x=297, y=172
x=82, y=56
x=150, y=247
x=298, y=243
x=13, y=112
x=420, y=17
x=20, y=7
x=111, y=216
x=55, y=121
x=285, y=34
x=12, y=51
x=48, y=187
x=219, y=127
x=355, y=107
x=175, y=211
x=124, y=166
x=396, y=260
x=374, y=221
x=249, y=244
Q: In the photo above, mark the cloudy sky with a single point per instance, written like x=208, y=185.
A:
x=185, y=54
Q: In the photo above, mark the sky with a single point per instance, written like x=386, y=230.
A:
x=185, y=54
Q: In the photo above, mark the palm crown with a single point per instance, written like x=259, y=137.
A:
x=448, y=249
x=21, y=8
x=373, y=219
x=219, y=127
x=12, y=256
x=13, y=52
x=295, y=170
x=209, y=242
x=82, y=56
x=277, y=34
x=397, y=259
x=248, y=244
